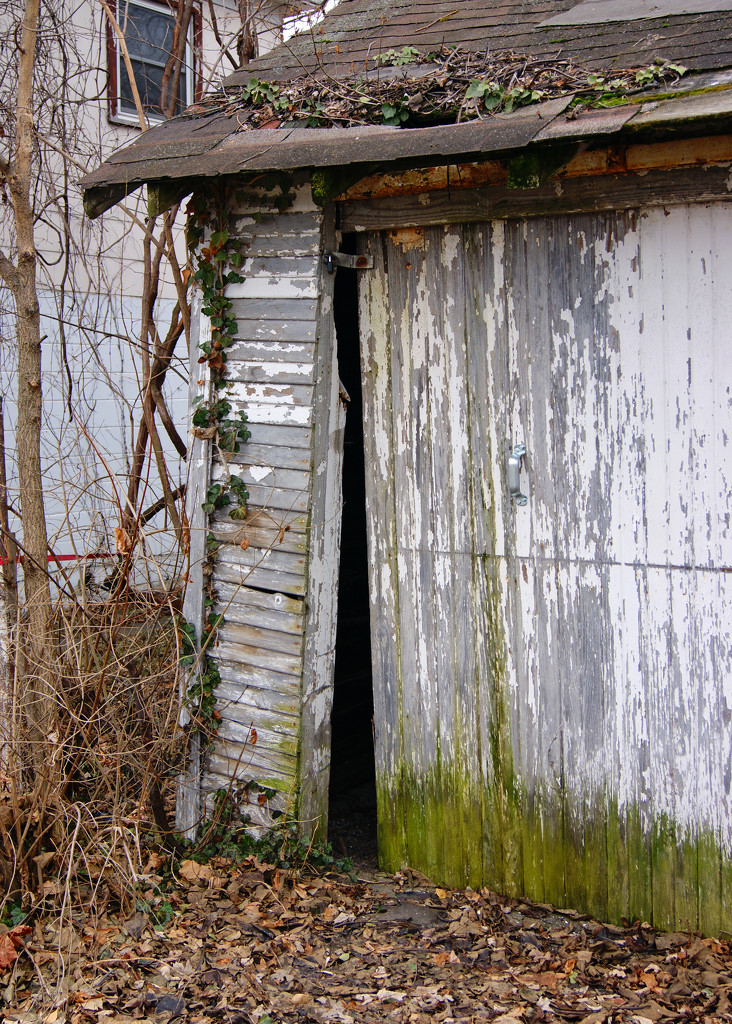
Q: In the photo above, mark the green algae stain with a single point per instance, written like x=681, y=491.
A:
x=592, y=856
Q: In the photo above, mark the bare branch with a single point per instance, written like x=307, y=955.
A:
x=223, y=49
x=122, y=43
x=8, y=272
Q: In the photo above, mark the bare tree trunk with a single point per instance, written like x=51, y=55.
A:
x=8, y=606
x=248, y=45
x=38, y=690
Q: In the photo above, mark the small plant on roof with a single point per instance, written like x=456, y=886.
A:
x=257, y=93
x=460, y=84
x=395, y=114
x=491, y=95
x=398, y=58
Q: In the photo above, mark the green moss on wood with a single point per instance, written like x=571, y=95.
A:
x=328, y=182
x=535, y=166
x=589, y=855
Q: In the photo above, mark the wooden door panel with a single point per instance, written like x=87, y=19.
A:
x=558, y=675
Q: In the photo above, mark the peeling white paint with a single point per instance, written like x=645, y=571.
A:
x=612, y=367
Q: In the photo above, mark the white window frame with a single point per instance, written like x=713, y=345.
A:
x=120, y=116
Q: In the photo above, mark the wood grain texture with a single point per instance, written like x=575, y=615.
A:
x=188, y=804
x=557, y=675
x=570, y=195
x=260, y=572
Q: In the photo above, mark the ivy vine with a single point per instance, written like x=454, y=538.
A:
x=217, y=265
x=217, y=261
x=200, y=700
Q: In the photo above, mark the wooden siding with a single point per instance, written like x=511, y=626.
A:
x=280, y=371
x=553, y=683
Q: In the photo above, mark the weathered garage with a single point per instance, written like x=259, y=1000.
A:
x=543, y=308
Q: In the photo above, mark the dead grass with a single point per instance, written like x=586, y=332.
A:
x=72, y=837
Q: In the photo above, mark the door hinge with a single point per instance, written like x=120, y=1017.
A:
x=345, y=259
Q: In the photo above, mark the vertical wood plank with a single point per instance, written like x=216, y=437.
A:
x=323, y=562
x=384, y=584
x=451, y=539
x=410, y=331
x=188, y=808
x=488, y=368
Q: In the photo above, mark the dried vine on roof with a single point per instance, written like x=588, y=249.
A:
x=408, y=88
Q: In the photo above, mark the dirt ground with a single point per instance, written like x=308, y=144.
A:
x=252, y=944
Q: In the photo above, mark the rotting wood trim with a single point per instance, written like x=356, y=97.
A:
x=322, y=588
x=571, y=195
x=188, y=802
x=708, y=149
x=101, y=198
x=161, y=195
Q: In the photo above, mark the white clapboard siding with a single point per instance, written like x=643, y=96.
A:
x=256, y=608
x=553, y=682
x=268, y=639
x=263, y=531
x=254, y=372
x=229, y=571
x=280, y=435
x=271, y=455
x=236, y=703
x=260, y=572
x=238, y=760
x=278, y=278
x=277, y=313
x=250, y=679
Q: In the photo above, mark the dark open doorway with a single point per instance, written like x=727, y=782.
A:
x=352, y=778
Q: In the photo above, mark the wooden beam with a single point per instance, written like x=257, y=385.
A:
x=161, y=195
x=569, y=195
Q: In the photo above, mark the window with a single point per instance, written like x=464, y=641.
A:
x=148, y=30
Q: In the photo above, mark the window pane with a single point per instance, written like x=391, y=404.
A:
x=149, y=34
x=149, y=37
x=149, y=80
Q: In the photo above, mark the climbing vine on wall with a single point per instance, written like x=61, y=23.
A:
x=216, y=259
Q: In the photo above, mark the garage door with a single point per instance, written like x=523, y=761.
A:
x=553, y=678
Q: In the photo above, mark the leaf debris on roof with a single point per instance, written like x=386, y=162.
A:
x=417, y=89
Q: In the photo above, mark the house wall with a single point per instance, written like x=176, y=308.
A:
x=552, y=682
x=274, y=574
x=90, y=277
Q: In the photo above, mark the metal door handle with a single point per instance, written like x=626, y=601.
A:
x=514, y=471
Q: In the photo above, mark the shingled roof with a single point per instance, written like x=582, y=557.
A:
x=356, y=32
x=359, y=49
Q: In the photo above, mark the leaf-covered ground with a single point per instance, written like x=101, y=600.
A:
x=251, y=943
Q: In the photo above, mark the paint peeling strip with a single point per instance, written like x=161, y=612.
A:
x=272, y=581
x=273, y=288
x=293, y=415
x=277, y=373
x=271, y=344
x=285, y=394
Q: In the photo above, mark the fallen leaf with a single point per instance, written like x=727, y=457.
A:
x=191, y=871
